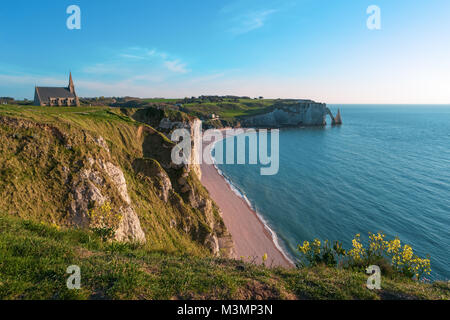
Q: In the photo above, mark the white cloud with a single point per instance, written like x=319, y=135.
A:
x=155, y=53
x=139, y=63
x=130, y=56
x=250, y=21
x=106, y=68
x=176, y=66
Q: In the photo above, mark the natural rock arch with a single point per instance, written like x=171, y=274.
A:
x=335, y=120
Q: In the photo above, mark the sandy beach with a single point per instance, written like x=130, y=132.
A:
x=250, y=236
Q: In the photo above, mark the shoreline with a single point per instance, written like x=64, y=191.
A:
x=251, y=234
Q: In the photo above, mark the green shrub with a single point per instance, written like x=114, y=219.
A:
x=105, y=233
x=104, y=221
x=388, y=255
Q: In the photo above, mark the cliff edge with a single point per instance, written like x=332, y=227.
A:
x=96, y=169
x=295, y=113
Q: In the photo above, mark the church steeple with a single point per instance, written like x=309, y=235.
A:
x=71, y=85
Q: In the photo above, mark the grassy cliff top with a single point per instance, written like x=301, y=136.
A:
x=41, y=253
x=44, y=149
x=229, y=109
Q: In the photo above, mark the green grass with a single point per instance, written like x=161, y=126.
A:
x=34, y=258
x=33, y=182
x=229, y=110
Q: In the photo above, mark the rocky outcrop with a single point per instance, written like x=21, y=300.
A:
x=85, y=192
x=152, y=170
x=338, y=119
x=196, y=138
x=291, y=114
x=333, y=120
x=100, y=181
x=218, y=239
x=220, y=242
x=129, y=229
x=100, y=141
x=115, y=174
x=179, y=185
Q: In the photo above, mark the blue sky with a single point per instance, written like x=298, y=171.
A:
x=317, y=49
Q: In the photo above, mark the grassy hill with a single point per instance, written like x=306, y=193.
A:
x=44, y=156
x=43, y=150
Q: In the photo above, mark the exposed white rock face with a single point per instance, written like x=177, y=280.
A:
x=102, y=143
x=86, y=190
x=195, y=128
x=165, y=185
x=196, y=152
x=130, y=226
x=116, y=175
x=212, y=242
x=303, y=113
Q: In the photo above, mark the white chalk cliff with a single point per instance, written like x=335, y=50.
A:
x=292, y=114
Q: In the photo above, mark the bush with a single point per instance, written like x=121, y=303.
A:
x=316, y=253
x=105, y=233
x=388, y=255
x=104, y=221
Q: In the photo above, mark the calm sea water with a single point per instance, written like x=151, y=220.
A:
x=386, y=169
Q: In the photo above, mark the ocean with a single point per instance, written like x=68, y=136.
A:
x=386, y=169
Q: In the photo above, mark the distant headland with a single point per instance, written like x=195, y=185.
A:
x=214, y=111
